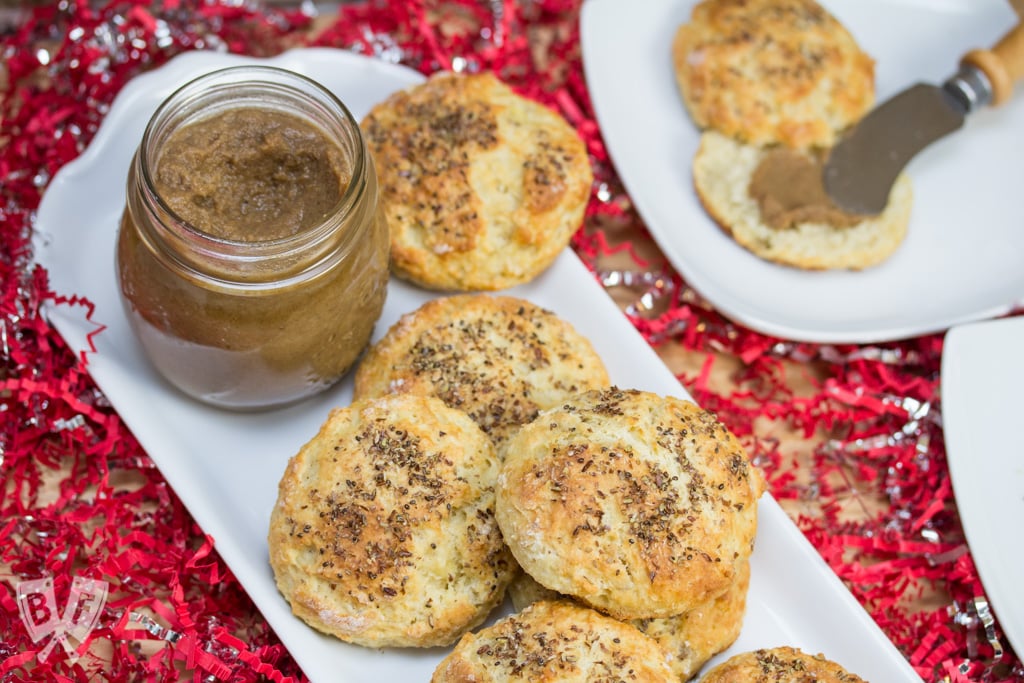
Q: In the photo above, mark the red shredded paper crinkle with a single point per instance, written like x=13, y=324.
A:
x=81, y=498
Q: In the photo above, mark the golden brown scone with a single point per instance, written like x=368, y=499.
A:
x=555, y=641
x=482, y=187
x=771, y=71
x=501, y=359
x=383, y=533
x=692, y=638
x=636, y=504
x=779, y=665
x=722, y=171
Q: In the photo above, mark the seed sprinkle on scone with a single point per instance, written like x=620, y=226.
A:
x=482, y=187
x=556, y=642
x=779, y=665
x=383, y=533
x=639, y=505
x=501, y=359
x=771, y=72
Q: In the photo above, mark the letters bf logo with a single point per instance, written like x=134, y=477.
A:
x=38, y=607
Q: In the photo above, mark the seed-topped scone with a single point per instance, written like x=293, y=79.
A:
x=779, y=665
x=383, y=533
x=771, y=72
x=691, y=639
x=482, y=187
x=555, y=641
x=639, y=505
x=500, y=359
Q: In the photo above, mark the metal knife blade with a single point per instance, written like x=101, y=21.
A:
x=861, y=168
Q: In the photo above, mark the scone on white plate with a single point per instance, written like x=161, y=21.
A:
x=639, y=505
x=779, y=665
x=501, y=359
x=556, y=641
x=771, y=72
x=383, y=533
x=482, y=187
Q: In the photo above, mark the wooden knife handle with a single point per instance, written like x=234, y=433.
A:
x=1003, y=64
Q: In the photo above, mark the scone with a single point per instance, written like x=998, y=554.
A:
x=771, y=72
x=383, y=533
x=555, y=641
x=501, y=359
x=639, y=505
x=722, y=172
x=692, y=638
x=482, y=187
x=779, y=665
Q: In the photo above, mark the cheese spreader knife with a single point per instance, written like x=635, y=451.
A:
x=862, y=167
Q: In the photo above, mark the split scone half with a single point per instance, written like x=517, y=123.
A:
x=771, y=72
x=722, y=172
x=482, y=187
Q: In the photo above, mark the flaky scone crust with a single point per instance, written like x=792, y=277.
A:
x=779, y=665
x=383, y=533
x=698, y=635
x=501, y=359
x=691, y=639
x=555, y=641
x=481, y=186
x=636, y=504
x=771, y=72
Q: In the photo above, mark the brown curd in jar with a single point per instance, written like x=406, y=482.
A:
x=252, y=256
x=251, y=175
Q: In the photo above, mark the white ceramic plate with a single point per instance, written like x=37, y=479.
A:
x=982, y=374
x=961, y=259
x=225, y=466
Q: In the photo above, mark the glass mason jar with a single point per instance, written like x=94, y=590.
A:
x=252, y=254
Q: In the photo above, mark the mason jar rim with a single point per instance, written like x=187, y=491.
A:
x=287, y=82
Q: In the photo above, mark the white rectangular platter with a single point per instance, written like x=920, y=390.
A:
x=225, y=466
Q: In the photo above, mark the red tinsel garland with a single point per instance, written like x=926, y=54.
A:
x=81, y=498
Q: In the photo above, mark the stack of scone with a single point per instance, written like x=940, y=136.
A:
x=483, y=446
x=484, y=435
x=772, y=84
x=690, y=638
